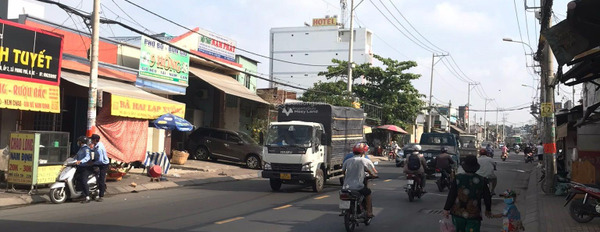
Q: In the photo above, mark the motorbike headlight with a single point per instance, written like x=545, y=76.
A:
x=267, y=166
x=306, y=167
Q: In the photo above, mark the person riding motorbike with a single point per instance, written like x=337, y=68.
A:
x=444, y=162
x=416, y=158
x=505, y=151
x=354, y=174
x=487, y=168
x=489, y=150
x=83, y=169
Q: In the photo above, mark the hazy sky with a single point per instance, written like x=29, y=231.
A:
x=470, y=30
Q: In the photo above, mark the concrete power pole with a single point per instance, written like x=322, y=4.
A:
x=91, y=116
x=547, y=106
x=433, y=56
x=469, y=106
x=351, y=47
x=497, y=134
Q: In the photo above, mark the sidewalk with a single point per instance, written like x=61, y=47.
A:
x=194, y=172
x=546, y=212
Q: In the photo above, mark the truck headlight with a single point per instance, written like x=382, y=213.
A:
x=267, y=166
x=306, y=167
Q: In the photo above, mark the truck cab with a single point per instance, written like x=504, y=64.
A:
x=431, y=145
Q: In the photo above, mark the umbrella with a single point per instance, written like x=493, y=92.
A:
x=172, y=122
x=393, y=128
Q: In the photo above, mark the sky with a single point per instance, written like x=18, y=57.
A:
x=471, y=31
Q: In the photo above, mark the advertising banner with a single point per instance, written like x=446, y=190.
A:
x=216, y=45
x=324, y=22
x=144, y=109
x=23, y=95
x=21, y=160
x=29, y=54
x=164, y=63
x=47, y=174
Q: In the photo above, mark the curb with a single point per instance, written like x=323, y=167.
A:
x=37, y=199
x=531, y=222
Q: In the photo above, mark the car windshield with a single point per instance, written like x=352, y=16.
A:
x=247, y=138
x=289, y=135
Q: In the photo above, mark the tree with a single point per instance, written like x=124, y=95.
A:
x=389, y=87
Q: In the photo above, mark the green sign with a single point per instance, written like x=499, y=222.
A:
x=163, y=63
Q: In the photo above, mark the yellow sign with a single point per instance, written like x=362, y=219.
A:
x=144, y=109
x=48, y=174
x=324, y=22
x=547, y=109
x=20, y=162
x=23, y=95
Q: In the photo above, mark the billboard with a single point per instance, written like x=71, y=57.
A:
x=29, y=54
x=216, y=45
x=163, y=63
x=324, y=22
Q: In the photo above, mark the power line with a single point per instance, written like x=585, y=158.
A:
x=519, y=26
x=134, y=21
x=405, y=19
x=238, y=48
x=526, y=25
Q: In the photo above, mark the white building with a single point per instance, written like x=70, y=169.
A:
x=315, y=45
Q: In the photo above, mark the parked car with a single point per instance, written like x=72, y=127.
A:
x=212, y=143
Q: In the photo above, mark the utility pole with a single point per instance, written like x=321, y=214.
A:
x=449, y=114
x=433, y=56
x=91, y=116
x=351, y=47
x=497, y=134
x=547, y=105
x=469, y=106
x=503, y=126
x=485, y=119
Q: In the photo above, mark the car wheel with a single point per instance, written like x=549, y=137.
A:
x=201, y=153
x=253, y=162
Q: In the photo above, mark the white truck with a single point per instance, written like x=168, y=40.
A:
x=308, y=143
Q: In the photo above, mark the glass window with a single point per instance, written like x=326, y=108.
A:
x=218, y=134
x=233, y=138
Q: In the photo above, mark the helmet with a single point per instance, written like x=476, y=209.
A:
x=360, y=148
x=415, y=149
x=482, y=152
x=84, y=140
x=444, y=149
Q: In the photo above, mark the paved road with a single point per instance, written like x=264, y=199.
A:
x=249, y=205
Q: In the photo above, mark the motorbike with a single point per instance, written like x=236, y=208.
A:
x=413, y=187
x=528, y=157
x=391, y=155
x=443, y=179
x=65, y=186
x=354, y=209
x=504, y=156
x=586, y=209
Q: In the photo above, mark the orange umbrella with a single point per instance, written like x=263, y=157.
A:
x=393, y=128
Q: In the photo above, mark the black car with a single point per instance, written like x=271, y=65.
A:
x=205, y=143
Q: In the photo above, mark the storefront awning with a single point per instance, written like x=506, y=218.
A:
x=128, y=100
x=226, y=84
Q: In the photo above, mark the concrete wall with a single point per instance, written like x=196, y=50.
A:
x=250, y=66
x=8, y=122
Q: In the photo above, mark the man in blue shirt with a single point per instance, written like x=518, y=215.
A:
x=83, y=168
x=100, y=161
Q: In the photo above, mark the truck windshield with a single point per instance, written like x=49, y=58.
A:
x=289, y=135
x=468, y=141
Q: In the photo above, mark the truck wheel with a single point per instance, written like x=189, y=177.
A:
x=275, y=184
x=319, y=181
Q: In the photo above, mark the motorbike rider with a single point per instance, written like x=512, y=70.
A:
x=489, y=150
x=487, y=168
x=83, y=168
x=416, y=156
x=505, y=151
x=354, y=174
x=444, y=162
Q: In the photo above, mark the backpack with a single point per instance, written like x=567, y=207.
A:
x=414, y=163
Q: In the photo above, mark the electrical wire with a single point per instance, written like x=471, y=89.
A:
x=134, y=21
x=238, y=48
x=526, y=25
x=415, y=29
x=519, y=26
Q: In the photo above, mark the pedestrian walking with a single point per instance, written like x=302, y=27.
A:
x=100, y=165
x=464, y=198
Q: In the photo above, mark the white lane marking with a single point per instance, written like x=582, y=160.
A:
x=282, y=207
x=229, y=220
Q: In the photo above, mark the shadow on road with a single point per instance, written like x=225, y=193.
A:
x=10, y=225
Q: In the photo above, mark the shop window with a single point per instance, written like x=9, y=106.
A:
x=247, y=81
x=47, y=121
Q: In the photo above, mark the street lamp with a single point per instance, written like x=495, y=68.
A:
x=516, y=41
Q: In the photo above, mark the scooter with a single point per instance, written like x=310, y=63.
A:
x=353, y=206
x=413, y=187
x=65, y=186
x=504, y=156
x=584, y=210
x=443, y=179
x=528, y=157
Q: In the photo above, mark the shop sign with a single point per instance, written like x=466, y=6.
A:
x=324, y=22
x=48, y=174
x=216, y=45
x=20, y=162
x=29, y=54
x=23, y=95
x=164, y=63
x=144, y=109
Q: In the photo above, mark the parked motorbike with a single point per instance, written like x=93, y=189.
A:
x=354, y=209
x=413, y=187
x=504, y=156
x=443, y=179
x=528, y=157
x=65, y=186
x=584, y=210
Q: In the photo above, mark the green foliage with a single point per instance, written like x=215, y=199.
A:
x=389, y=87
